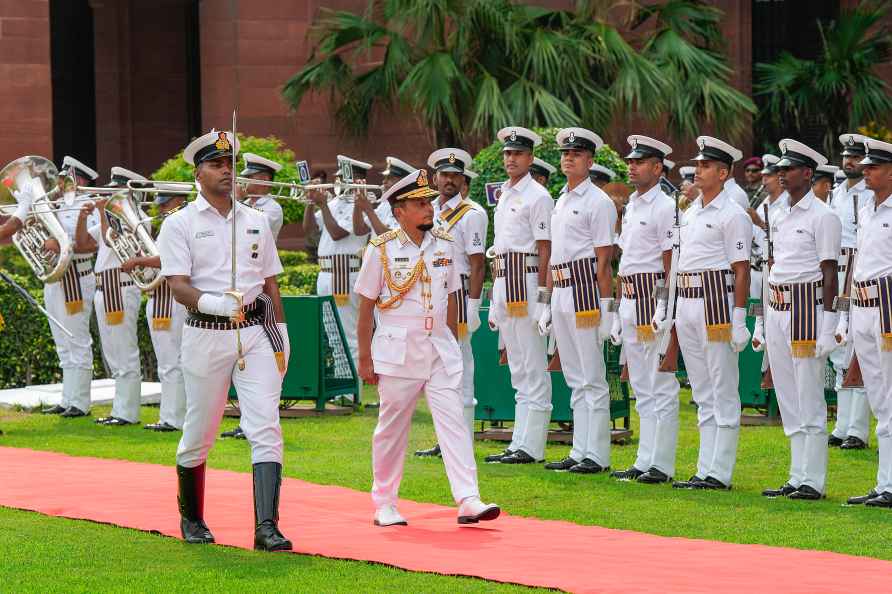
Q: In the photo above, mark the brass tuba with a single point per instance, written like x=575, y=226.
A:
x=40, y=177
x=128, y=238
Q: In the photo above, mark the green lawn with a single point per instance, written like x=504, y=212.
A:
x=335, y=450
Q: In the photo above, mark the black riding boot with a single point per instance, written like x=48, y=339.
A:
x=267, y=482
x=191, y=500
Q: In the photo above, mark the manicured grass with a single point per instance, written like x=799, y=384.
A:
x=336, y=450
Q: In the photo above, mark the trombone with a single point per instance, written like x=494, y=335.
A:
x=298, y=191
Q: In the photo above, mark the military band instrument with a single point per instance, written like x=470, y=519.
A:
x=668, y=339
x=128, y=238
x=299, y=191
x=852, y=377
x=33, y=303
x=40, y=178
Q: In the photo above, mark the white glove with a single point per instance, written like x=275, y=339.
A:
x=758, y=341
x=740, y=336
x=544, y=322
x=616, y=331
x=842, y=328
x=607, y=317
x=827, y=339
x=225, y=305
x=283, y=330
x=473, y=315
x=24, y=199
x=660, y=323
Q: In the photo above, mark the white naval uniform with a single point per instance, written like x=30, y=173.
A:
x=523, y=216
x=469, y=238
x=712, y=238
x=806, y=236
x=852, y=407
x=647, y=231
x=385, y=215
x=413, y=350
x=875, y=261
x=167, y=343
x=352, y=245
x=582, y=221
x=75, y=352
x=197, y=242
x=737, y=194
x=273, y=211
x=120, y=342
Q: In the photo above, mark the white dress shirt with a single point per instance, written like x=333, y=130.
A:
x=469, y=233
x=583, y=220
x=737, y=193
x=805, y=237
x=648, y=231
x=874, y=241
x=522, y=216
x=273, y=210
x=342, y=211
x=843, y=204
x=715, y=236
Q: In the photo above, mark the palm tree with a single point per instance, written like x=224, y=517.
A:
x=469, y=67
x=841, y=89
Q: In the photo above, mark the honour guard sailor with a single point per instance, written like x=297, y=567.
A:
x=409, y=274
x=70, y=299
x=232, y=334
x=822, y=182
x=541, y=171
x=379, y=219
x=713, y=287
x=646, y=244
x=165, y=317
x=522, y=246
x=117, y=303
x=869, y=322
x=800, y=319
x=852, y=408
x=778, y=203
x=466, y=222
x=600, y=175
x=580, y=308
x=258, y=195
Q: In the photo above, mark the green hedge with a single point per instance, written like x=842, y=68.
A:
x=27, y=344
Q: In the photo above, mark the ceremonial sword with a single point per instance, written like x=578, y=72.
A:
x=240, y=316
x=33, y=303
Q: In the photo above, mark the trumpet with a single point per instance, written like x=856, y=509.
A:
x=298, y=191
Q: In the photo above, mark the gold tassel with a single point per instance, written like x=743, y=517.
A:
x=718, y=333
x=462, y=330
x=74, y=307
x=280, y=361
x=517, y=309
x=341, y=299
x=645, y=333
x=160, y=323
x=113, y=318
x=887, y=343
x=588, y=319
x=803, y=349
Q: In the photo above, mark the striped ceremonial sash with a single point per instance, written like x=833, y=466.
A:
x=515, y=270
x=583, y=274
x=715, y=305
x=272, y=331
x=461, y=299
x=71, y=289
x=110, y=285
x=451, y=218
x=642, y=288
x=803, y=319
x=884, y=286
x=162, y=307
x=340, y=278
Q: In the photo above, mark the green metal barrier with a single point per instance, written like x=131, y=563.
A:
x=495, y=396
x=320, y=367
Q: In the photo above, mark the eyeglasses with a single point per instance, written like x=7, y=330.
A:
x=753, y=170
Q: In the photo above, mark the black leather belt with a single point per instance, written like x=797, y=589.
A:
x=253, y=316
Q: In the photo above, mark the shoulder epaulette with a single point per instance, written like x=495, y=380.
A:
x=440, y=233
x=385, y=237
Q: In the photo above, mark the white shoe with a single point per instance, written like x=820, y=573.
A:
x=387, y=515
x=472, y=510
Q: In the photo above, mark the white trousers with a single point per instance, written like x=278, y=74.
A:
x=527, y=360
x=209, y=360
x=120, y=347
x=712, y=371
x=799, y=386
x=167, y=345
x=852, y=407
x=76, y=352
x=656, y=397
x=582, y=363
x=876, y=368
x=398, y=396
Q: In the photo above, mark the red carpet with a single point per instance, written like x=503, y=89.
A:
x=337, y=522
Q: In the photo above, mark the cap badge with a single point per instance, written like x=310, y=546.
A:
x=513, y=135
x=783, y=147
x=422, y=178
x=634, y=143
x=701, y=143
x=222, y=143
x=851, y=141
x=452, y=157
x=572, y=137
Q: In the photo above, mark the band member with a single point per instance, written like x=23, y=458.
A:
x=600, y=175
x=339, y=249
x=713, y=287
x=70, y=299
x=852, y=407
x=737, y=193
x=117, y=302
x=258, y=195
x=379, y=219
x=231, y=333
x=646, y=244
x=871, y=311
x=541, y=171
x=466, y=222
x=580, y=308
x=409, y=274
x=822, y=182
x=522, y=248
x=800, y=320
x=165, y=318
